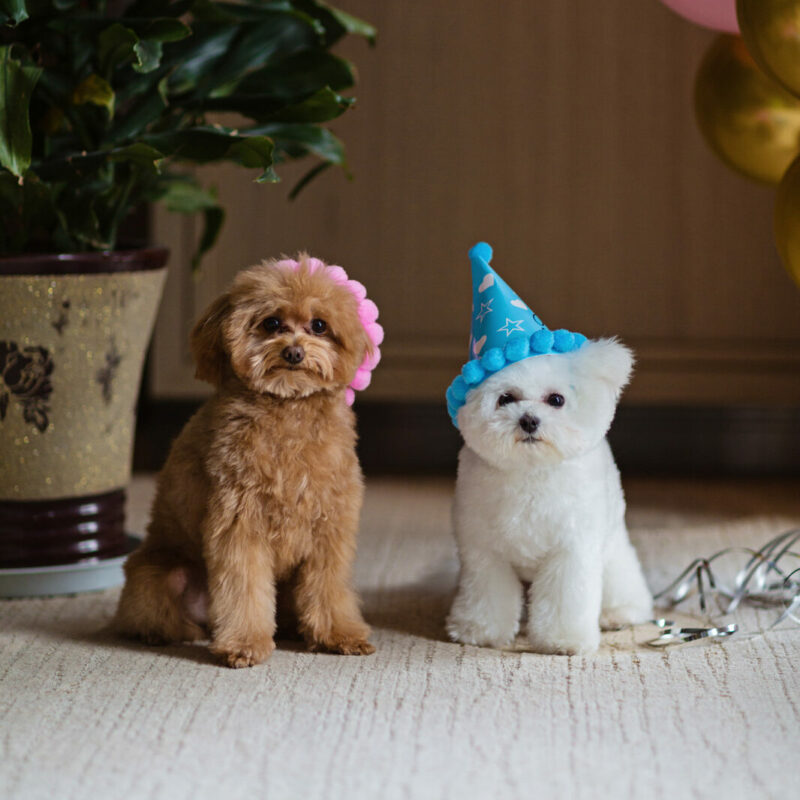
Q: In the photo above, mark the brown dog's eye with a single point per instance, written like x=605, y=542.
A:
x=271, y=324
x=318, y=326
x=556, y=400
x=506, y=398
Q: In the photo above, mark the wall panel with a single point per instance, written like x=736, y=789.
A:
x=562, y=132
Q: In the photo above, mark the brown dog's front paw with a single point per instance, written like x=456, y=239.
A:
x=154, y=639
x=240, y=655
x=355, y=647
x=344, y=645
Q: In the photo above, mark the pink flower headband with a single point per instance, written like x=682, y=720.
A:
x=367, y=313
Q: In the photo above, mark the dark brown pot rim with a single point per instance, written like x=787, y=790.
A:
x=136, y=260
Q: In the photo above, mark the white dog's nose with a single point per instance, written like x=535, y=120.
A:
x=528, y=423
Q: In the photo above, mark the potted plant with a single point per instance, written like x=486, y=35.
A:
x=105, y=106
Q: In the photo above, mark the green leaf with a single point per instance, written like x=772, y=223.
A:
x=158, y=8
x=167, y=30
x=193, y=58
x=255, y=151
x=213, y=12
x=249, y=11
x=321, y=106
x=337, y=23
x=16, y=87
x=28, y=214
x=186, y=197
x=148, y=54
x=299, y=75
x=163, y=89
x=145, y=110
x=196, y=145
x=255, y=148
x=80, y=169
x=214, y=143
x=351, y=24
x=56, y=87
x=300, y=140
x=142, y=155
x=212, y=224
x=256, y=44
x=71, y=168
x=133, y=85
x=13, y=11
x=255, y=106
x=204, y=145
x=80, y=219
x=95, y=90
x=138, y=39
x=115, y=46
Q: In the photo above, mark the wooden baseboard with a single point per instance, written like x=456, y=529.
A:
x=399, y=438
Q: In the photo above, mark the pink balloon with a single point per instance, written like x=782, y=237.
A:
x=719, y=15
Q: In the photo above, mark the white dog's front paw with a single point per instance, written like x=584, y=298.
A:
x=620, y=616
x=565, y=642
x=469, y=631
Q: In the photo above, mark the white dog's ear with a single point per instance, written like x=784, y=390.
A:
x=607, y=360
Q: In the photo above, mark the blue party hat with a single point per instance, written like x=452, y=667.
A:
x=504, y=331
x=498, y=314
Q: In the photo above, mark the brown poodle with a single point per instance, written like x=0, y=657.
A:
x=263, y=484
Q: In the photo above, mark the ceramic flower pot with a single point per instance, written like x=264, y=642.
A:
x=73, y=334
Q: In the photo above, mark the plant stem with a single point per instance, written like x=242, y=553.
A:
x=121, y=210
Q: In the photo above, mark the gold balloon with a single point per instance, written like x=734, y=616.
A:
x=749, y=121
x=787, y=220
x=771, y=31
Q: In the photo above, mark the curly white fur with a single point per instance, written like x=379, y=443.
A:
x=545, y=506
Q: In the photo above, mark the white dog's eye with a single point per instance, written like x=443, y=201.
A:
x=556, y=400
x=506, y=398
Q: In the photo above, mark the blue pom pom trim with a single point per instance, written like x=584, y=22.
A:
x=475, y=372
x=517, y=349
x=542, y=341
x=493, y=359
x=563, y=341
x=459, y=388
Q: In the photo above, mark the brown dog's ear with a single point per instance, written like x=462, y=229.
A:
x=207, y=345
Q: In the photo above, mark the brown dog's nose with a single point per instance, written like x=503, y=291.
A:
x=294, y=354
x=528, y=423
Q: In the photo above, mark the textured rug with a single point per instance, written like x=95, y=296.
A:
x=83, y=715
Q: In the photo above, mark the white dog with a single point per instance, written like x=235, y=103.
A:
x=539, y=499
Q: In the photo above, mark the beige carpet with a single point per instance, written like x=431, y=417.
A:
x=84, y=716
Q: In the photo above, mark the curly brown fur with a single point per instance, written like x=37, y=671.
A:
x=263, y=484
